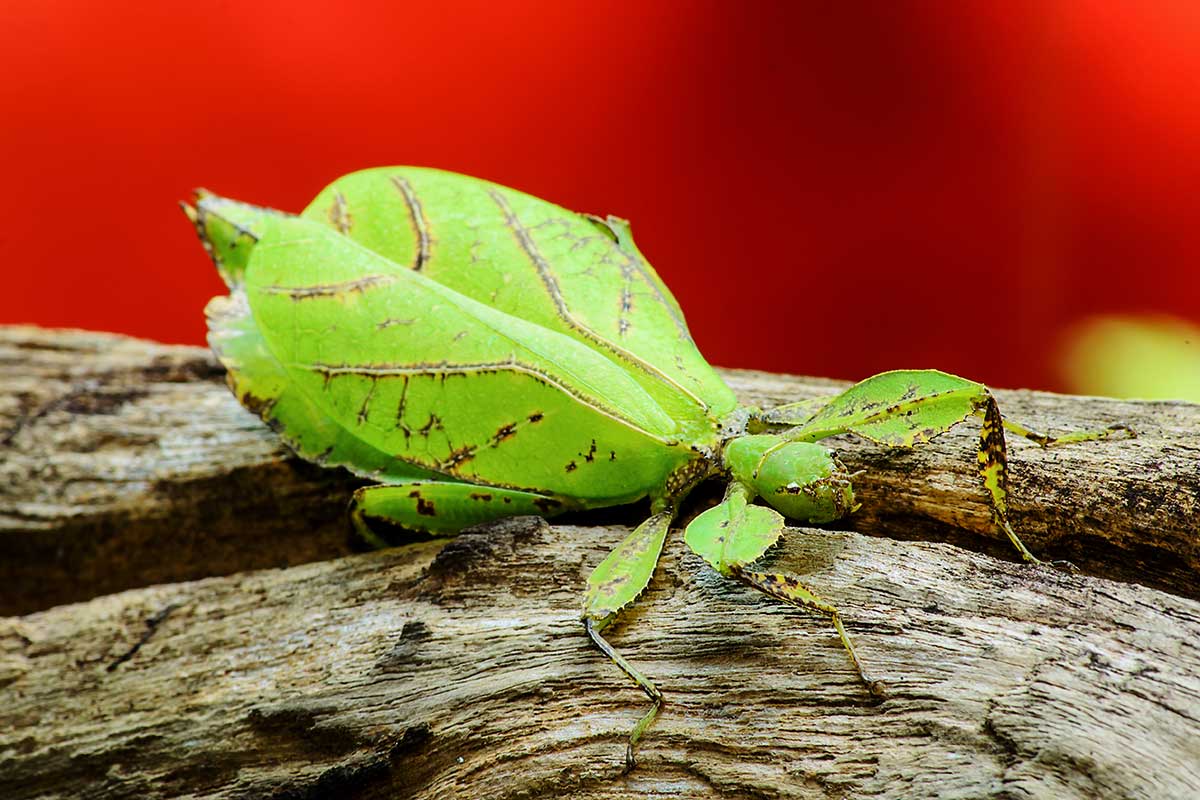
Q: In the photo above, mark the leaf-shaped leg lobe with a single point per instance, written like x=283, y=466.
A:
x=442, y=508
x=733, y=532
x=625, y=572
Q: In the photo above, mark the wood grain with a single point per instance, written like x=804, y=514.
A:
x=461, y=670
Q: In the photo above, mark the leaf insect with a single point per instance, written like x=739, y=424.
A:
x=481, y=353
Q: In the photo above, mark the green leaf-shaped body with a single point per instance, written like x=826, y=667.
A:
x=567, y=272
x=483, y=353
x=427, y=324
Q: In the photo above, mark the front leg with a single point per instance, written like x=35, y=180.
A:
x=907, y=407
x=734, y=534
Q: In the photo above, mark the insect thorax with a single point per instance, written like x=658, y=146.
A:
x=690, y=473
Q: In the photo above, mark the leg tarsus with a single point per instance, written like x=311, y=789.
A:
x=1000, y=518
x=1046, y=440
x=1062, y=565
x=593, y=628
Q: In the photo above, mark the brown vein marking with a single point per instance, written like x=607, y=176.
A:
x=331, y=289
x=649, y=277
x=539, y=261
x=365, y=408
x=416, y=216
x=444, y=368
x=525, y=240
x=400, y=409
x=510, y=429
x=199, y=217
x=393, y=321
x=635, y=263
x=435, y=422
x=505, y=431
x=339, y=213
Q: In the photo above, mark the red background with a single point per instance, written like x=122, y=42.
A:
x=828, y=188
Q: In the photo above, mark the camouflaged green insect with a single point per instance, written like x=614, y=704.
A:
x=482, y=354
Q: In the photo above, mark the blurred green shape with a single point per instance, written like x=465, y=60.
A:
x=1145, y=357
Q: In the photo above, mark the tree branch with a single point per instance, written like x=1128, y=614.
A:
x=430, y=671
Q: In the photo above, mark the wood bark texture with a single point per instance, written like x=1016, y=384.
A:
x=172, y=642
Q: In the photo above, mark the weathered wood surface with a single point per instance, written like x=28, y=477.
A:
x=464, y=672
x=124, y=463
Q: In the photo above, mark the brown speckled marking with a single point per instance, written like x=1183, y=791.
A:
x=685, y=476
x=993, y=470
x=458, y=456
x=391, y=322
x=993, y=461
x=572, y=466
x=503, y=432
x=544, y=504
x=426, y=507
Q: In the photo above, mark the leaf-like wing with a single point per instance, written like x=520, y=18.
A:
x=898, y=408
x=408, y=367
x=571, y=273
